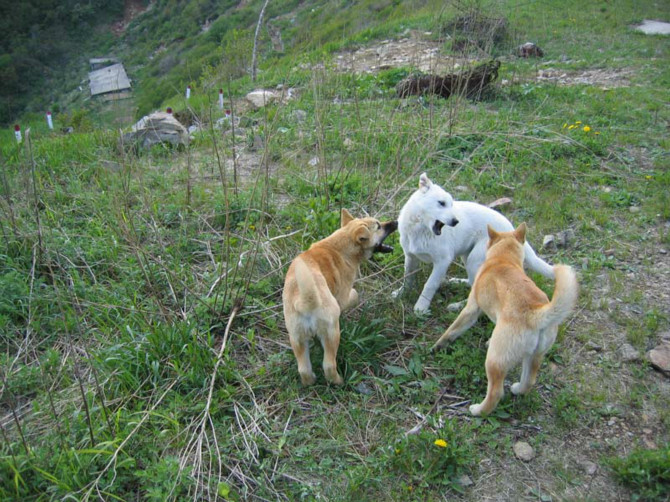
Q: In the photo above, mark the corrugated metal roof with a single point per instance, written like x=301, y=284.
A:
x=112, y=78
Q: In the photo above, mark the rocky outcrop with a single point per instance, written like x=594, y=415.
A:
x=159, y=127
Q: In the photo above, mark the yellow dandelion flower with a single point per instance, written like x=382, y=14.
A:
x=596, y=132
x=397, y=450
x=586, y=129
x=441, y=443
x=571, y=127
x=578, y=122
x=565, y=125
x=648, y=177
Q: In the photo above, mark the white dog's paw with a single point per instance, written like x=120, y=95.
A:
x=456, y=306
x=422, y=307
x=476, y=410
x=397, y=293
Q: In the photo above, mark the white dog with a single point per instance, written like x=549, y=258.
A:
x=436, y=229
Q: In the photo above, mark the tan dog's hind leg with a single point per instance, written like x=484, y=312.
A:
x=353, y=299
x=465, y=320
x=331, y=342
x=531, y=365
x=496, y=378
x=499, y=358
x=301, y=351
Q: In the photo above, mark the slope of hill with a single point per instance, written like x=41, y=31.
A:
x=143, y=351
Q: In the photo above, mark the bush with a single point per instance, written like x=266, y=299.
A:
x=645, y=472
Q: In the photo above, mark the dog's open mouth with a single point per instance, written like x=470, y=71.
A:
x=437, y=227
x=389, y=228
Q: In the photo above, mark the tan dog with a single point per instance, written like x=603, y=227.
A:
x=319, y=285
x=526, y=321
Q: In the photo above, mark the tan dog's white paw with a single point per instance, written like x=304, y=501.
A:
x=476, y=410
x=307, y=378
x=516, y=388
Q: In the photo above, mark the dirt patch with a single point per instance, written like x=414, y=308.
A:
x=413, y=51
x=131, y=9
x=602, y=77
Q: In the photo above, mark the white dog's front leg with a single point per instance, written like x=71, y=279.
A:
x=408, y=280
x=430, y=288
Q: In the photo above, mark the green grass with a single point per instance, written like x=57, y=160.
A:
x=120, y=274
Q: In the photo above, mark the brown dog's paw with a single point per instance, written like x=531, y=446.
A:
x=308, y=379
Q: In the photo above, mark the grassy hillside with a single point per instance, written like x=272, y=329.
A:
x=144, y=355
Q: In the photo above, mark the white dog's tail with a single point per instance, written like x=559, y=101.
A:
x=535, y=263
x=308, y=299
x=563, y=301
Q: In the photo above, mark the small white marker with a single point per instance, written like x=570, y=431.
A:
x=49, y=121
x=220, y=99
x=188, y=92
x=17, y=133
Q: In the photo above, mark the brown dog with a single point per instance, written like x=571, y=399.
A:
x=526, y=321
x=319, y=285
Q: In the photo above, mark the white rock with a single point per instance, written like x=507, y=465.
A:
x=524, y=451
x=261, y=97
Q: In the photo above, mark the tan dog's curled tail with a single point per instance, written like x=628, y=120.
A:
x=308, y=299
x=563, y=301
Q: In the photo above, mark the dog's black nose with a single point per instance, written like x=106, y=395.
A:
x=391, y=226
x=453, y=222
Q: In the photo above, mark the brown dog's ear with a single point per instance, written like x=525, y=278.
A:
x=493, y=235
x=362, y=235
x=345, y=217
x=520, y=233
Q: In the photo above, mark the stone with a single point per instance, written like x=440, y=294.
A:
x=159, y=127
x=659, y=357
x=634, y=209
x=314, y=161
x=588, y=467
x=593, y=346
x=549, y=242
x=628, y=353
x=299, y=115
x=261, y=97
x=524, y=451
x=465, y=480
x=649, y=27
x=529, y=50
x=503, y=201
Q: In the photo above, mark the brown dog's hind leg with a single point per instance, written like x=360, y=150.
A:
x=495, y=373
x=331, y=342
x=530, y=368
x=465, y=320
x=301, y=351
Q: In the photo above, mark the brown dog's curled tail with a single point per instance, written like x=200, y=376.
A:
x=308, y=299
x=563, y=301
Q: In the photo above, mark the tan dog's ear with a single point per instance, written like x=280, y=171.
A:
x=345, y=217
x=362, y=235
x=520, y=233
x=493, y=235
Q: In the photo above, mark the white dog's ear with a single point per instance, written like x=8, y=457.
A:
x=520, y=233
x=345, y=217
x=424, y=183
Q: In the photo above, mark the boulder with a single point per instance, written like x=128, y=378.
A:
x=159, y=127
x=262, y=97
x=659, y=357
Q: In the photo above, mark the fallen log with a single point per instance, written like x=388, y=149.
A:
x=471, y=82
